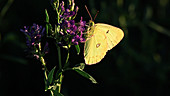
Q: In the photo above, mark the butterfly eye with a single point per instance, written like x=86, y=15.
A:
x=97, y=45
x=107, y=31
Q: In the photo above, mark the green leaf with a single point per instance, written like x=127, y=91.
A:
x=50, y=75
x=84, y=74
x=54, y=3
x=80, y=66
x=56, y=93
x=77, y=48
x=47, y=20
x=51, y=29
x=47, y=16
x=58, y=74
x=46, y=84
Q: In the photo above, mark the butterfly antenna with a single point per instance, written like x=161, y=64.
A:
x=88, y=12
x=96, y=15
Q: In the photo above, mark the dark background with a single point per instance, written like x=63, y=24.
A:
x=138, y=66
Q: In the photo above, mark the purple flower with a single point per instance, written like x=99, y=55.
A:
x=77, y=8
x=33, y=33
x=71, y=32
x=72, y=13
x=68, y=13
x=80, y=28
x=76, y=39
x=69, y=28
x=74, y=28
x=62, y=6
x=64, y=24
x=76, y=32
x=61, y=33
x=82, y=23
x=70, y=23
x=82, y=40
x=33, y=38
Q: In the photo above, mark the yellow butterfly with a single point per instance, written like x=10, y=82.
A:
x=100, y=39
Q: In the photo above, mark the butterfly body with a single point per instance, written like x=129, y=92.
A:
x=101, y=38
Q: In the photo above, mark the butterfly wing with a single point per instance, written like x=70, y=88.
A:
x=114, y=35
x=104, y=38
x=95, y=48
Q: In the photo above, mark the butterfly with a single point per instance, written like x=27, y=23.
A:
x=100, y=38
x=103, y=38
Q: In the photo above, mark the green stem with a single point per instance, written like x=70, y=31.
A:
x=45, y=71
x=58, y=14
x=47, y=21
x=60, y=82
x=59, y=57
x=60, y=68
x=42, y=61
x=66, y=63
x=61, y=76
x=44, y=65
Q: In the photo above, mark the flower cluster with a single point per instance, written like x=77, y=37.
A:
x=79, y=37
x=33, y=39
x=69, y=27
x=64, y=33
